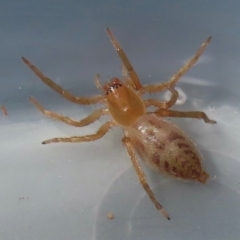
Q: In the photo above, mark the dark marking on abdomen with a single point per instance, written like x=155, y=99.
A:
x=166, y=166
x=156, y=159
x=174, y=136
x=183, y=145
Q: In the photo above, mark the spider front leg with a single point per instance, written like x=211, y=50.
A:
x=66, y=94
x=130, y=70
x=100, y=133
x=173, y=80
x=86, y=121
x=163, y=105
x=125, y=77
x=142, y=177
x=191, y=114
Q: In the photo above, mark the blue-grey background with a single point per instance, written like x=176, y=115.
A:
x=65, y=191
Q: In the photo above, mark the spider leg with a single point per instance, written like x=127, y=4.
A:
x=97, y=82
x=126, y=79
x=131, y=72
x=163, y=105
x=66, y=94
x=100, y=133
x=86, y=121
x=142, y=177
x=191, y=114
x=173, y=80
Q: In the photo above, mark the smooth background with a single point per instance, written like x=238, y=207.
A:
x=65, y=191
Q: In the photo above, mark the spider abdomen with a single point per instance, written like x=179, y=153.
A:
x=165, y=148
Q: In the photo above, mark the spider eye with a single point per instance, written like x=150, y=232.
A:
x=114, y=84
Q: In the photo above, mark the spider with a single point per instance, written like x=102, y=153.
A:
x=161, y=144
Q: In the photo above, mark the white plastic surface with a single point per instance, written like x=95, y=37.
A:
x=65, y=191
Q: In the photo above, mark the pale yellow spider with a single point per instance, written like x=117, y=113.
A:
x=162, y=145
